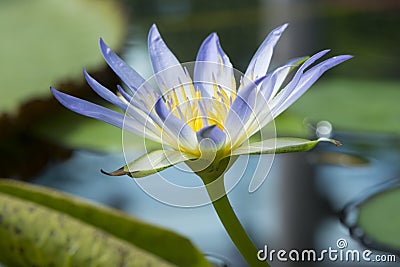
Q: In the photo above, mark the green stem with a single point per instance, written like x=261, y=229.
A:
x=231, y=223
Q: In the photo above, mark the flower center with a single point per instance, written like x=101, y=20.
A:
x=197, y=109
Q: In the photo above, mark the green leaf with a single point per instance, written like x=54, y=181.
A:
x=281, y=145
x=34, y=235
x=45, y=42
x=158, y=241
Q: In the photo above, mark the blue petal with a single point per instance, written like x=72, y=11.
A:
x=161, y=109
x=259, y=64
x=161, y=57
x=240, y=111
x=166, y=67
x=176, y=127
x=212, y=63
x=308, y=79
x=285, y=92
x=244, y=102
x=212, y=132
x=130, y=77
x=124, y=94
x=211, y=51
x=305, y=65
x=104, y=92
x=140, y=106
x=89, y=109
x=273, y=83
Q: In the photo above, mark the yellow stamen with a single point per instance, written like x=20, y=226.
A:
x=183, y=92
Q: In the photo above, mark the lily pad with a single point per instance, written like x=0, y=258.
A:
x=46, y=42
x=350, y=105
x=374, y=218
x=62, y=215
x=63, y=241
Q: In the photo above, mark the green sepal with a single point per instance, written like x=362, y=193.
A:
x=151, y=163
x=281, y=145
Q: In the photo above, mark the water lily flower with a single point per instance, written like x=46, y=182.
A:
x=205, y=119
x=207, y=116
